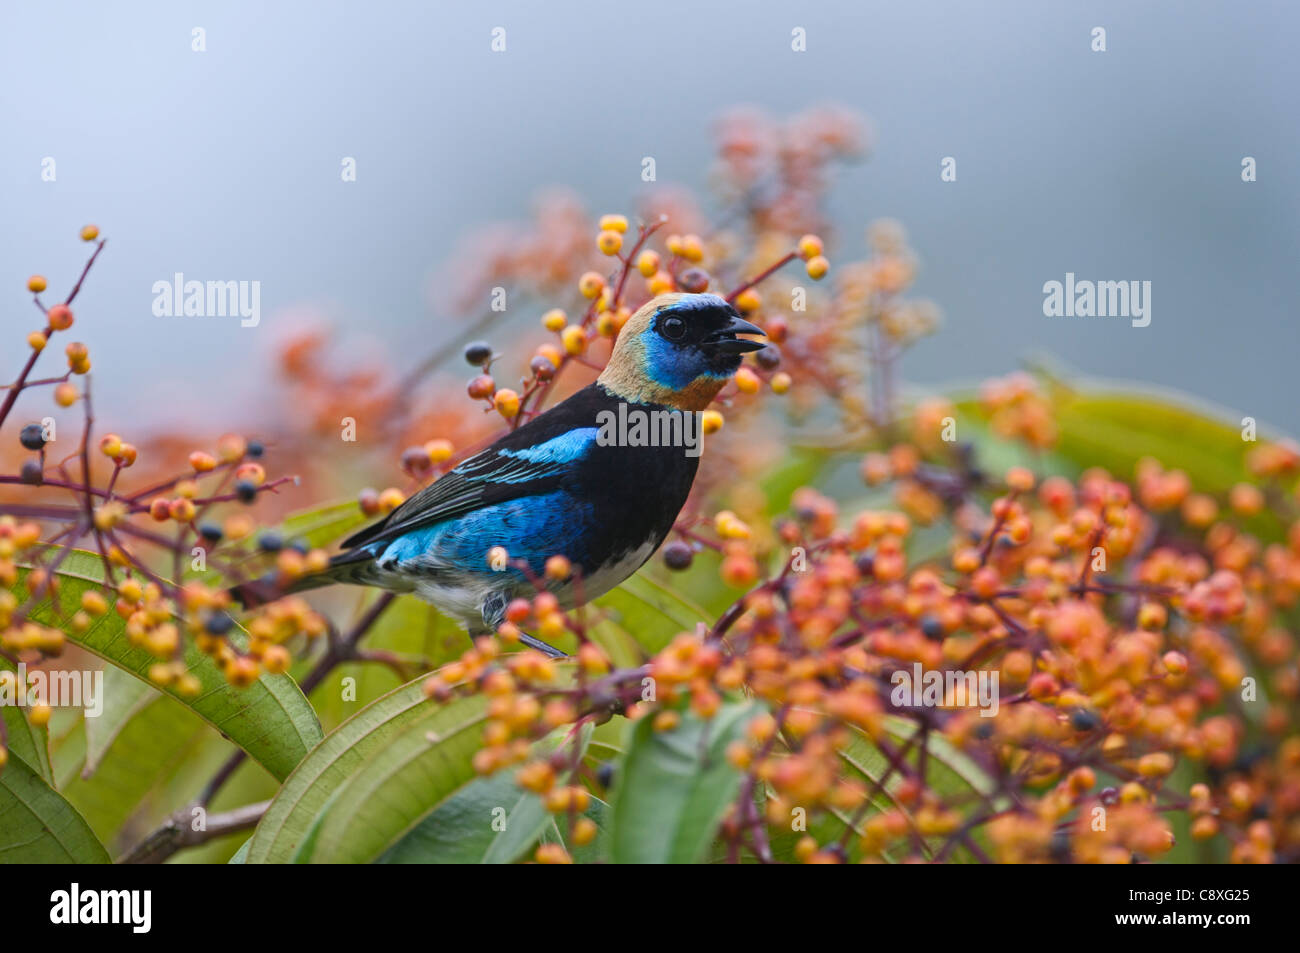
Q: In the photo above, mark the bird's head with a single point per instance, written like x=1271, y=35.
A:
x=678, y=350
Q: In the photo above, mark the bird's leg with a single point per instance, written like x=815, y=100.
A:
x=494, y=613
x=535, y=643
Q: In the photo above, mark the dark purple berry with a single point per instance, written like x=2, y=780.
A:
x=32, y=437
x=218, y=623
x=478, y=353
x=678, y=555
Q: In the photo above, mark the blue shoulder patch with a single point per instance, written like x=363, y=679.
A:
x=566, y=448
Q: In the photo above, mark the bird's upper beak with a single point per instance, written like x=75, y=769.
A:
x=725, y=339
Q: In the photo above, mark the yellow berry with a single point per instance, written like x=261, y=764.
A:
x=439, y=450
x=110, y=445
x=552, y=854
x=609, y=242
x=65, y=395
x=647, y=263
x=711, y=421
x=89, y=233
x=781, y=382
x=729, y=526
x=60, y=317
x=36, y=284
x=613, y=223
x=506, y=402
x=93, y=602
x=554, y=320
x=666, y=720
x=37, y=340
x=591, y=284
x=574, y=339
x=1020, y=479
x=810, y=246
x=202, y=462
x=748, y=301
x=747, y=381
x=817, y=267
x=660, y=283
x=276, y=659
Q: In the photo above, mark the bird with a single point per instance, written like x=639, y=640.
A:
x=578, y=480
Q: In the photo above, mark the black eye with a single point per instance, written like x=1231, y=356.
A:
x=674, y=329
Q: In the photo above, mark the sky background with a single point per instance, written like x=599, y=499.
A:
x=225, y=165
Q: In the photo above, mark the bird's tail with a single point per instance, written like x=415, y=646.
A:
x=348, y=567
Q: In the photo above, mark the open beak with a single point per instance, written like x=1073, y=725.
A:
x=727, y=342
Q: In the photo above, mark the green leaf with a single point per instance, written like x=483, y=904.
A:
x=464, y=828
x=597, y=852
x=416, y=768
x=954, y=772
x=27, y=741
x=270, y=719
x=646, y=612
x=409, y=627
x=303, y=797
x=324, y=524
x=529, y=818
x=459, y=831
x=136, y=768
x=124, y=697
x=241, y=856
x=1115, y=430
x=38, y=826
x=672, y=788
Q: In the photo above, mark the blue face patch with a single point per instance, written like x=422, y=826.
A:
x=674, y=366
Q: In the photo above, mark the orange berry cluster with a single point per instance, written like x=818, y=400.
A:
x=1125, y=645
x=154, y=611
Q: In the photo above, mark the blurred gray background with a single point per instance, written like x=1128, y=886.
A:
x=225, y=165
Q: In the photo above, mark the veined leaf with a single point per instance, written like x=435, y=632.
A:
x=490, y=820
x=134, y=769
x=303, y=797
x=414, y=770
x=38, y=826
x=672, y=788
x=124, y=696
x=648, y=612
x=27, y=741
x=270, y=719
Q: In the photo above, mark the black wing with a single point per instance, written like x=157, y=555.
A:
x=493, y=475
